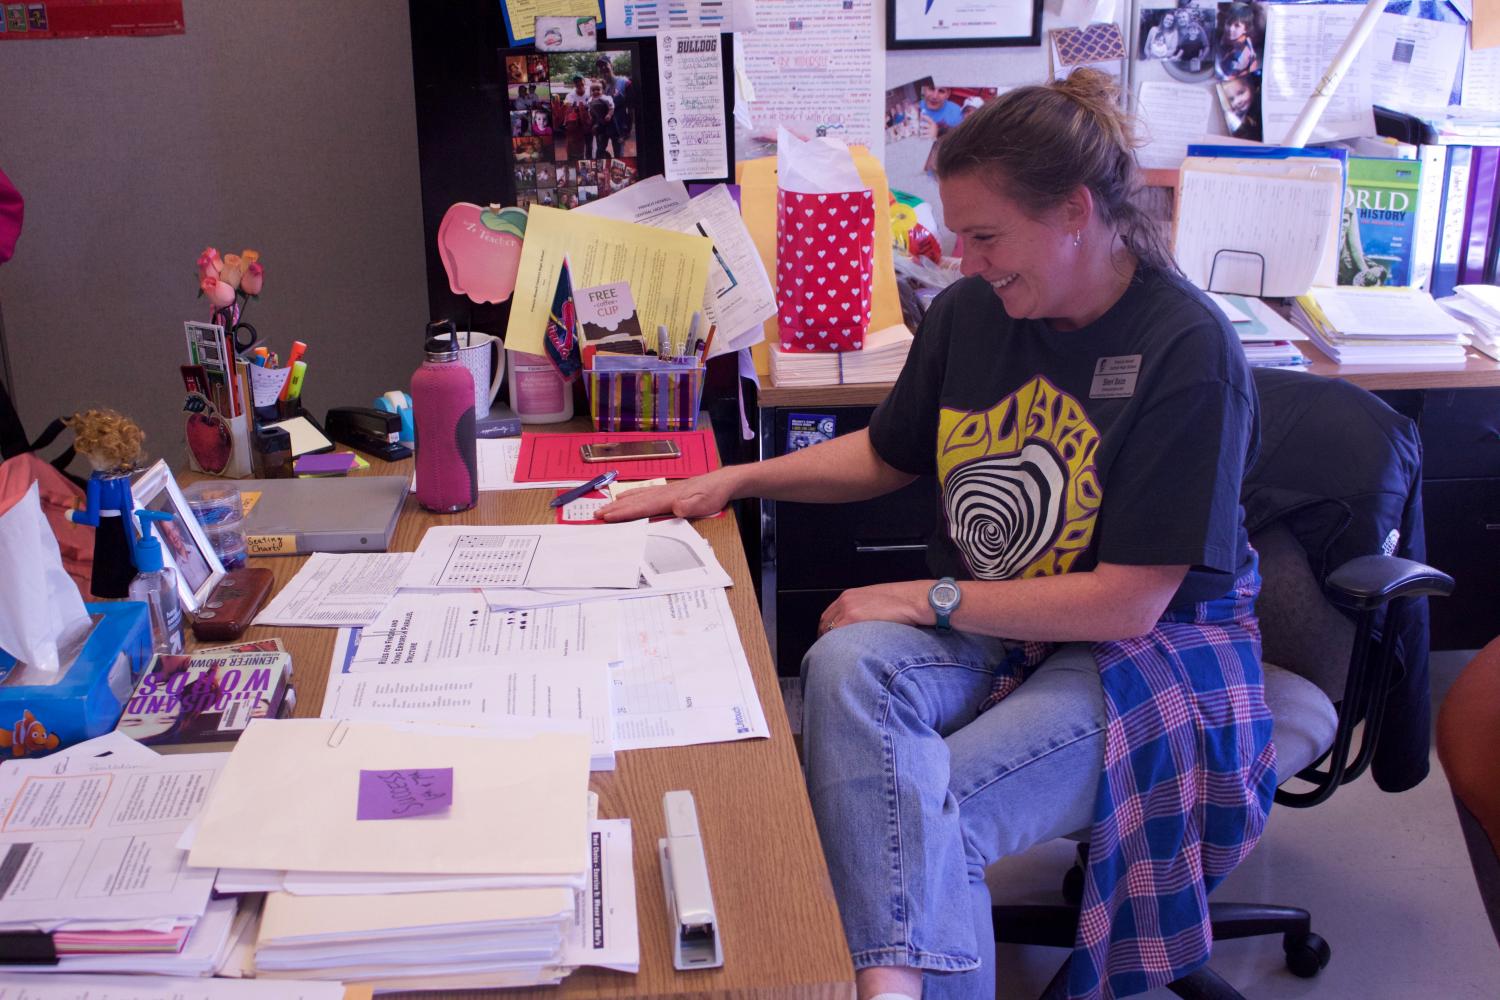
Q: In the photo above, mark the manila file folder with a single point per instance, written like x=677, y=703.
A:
x=288, y=799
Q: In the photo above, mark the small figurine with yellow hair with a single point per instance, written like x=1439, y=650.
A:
x=112, y=444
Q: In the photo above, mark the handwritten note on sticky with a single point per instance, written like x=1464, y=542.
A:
x=403, y=794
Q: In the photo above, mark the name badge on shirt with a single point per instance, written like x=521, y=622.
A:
x=1114, y=378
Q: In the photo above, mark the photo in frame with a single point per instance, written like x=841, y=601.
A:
x=946, y=24
x=184, y=544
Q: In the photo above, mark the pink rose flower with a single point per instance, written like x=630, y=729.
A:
x=209, y=263
x=220, y=293
x=251, y=281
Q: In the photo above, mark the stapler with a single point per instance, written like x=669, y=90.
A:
x=374, y=432
x=696, y=941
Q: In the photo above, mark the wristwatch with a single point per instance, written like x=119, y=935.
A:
x=944, y=598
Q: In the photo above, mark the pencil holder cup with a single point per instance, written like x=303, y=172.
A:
x=644, y=400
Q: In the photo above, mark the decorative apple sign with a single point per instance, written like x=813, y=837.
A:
x=481, y=250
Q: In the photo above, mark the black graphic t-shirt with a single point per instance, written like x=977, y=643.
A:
x=1122, y=442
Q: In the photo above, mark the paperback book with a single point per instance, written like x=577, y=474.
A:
x=1380, y=221
x=207, y=698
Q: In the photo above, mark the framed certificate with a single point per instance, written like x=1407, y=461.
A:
x=945, y=24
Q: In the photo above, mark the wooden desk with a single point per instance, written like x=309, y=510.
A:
x=782, y=936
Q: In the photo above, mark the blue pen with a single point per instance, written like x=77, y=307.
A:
x=588, y=487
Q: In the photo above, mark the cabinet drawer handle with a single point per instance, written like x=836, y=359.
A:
x=893, y=547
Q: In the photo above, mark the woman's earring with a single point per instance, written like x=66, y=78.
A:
x=1078, y=238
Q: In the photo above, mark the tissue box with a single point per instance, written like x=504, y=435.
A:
x=88, y=695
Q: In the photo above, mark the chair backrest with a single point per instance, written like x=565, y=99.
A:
x=1300, y=630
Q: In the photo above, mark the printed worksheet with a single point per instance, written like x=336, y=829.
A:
x=337, y=589
x=460, y=629
x=605, y=931
x=545, y=555
x=685, y=678
x=101, y=845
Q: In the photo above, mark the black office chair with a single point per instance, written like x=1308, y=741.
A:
x=1344, y=639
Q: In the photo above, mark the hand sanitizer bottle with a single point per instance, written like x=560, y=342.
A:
x=155, y=586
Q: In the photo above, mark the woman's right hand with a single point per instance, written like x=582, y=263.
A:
x=701, y=496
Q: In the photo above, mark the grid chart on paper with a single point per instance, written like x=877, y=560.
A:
x=489, y=560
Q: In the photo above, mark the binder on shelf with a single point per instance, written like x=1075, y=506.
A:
x=1451, y=224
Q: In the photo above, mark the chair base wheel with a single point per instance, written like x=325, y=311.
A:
x=1307, y=954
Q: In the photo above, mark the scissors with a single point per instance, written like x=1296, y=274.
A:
x=252, y=339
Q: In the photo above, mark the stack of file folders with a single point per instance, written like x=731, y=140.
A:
x=879, y=360
x=1380, y=326
x=411, y=856
x=1267, y=339
x=1478, y=306
x=93, y=878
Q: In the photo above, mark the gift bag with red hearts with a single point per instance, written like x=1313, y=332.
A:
x=825, y=246
x=825, y=263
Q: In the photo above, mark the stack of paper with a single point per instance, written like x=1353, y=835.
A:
x=1268, y=340
x=92, y=833
x=1478, y=306
x=879, y=360
x=1380, y=326
x=443, y=856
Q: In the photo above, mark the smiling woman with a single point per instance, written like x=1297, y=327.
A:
x=1087, y=637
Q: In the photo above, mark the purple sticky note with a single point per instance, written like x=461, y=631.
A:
x=334, y=463
x=403, y=794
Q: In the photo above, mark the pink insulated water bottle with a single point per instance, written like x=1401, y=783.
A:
x=442, y=407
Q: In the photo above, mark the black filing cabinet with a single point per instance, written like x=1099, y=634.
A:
x=1461, y=507
x=810, y=553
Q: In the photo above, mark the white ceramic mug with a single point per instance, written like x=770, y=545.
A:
x=484, y=355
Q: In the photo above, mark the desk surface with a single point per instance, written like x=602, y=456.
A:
x=1477, y=372
x=782, y=936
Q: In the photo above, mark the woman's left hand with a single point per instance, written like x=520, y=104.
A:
x=904, y=603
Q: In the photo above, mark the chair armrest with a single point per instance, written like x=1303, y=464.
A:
x=1368, y=582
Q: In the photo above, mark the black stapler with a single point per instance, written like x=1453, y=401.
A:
x=374, y=432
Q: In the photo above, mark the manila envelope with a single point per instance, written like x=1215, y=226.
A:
x=288, y=798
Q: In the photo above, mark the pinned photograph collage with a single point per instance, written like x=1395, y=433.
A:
x=1223, y=43
x=573, y=125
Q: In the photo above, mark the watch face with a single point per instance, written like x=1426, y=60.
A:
x=945, y=595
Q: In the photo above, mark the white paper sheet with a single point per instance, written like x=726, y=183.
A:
x=507, y=699
x=677, y=558
x=101, y=845
x=694, y=130
x=739, y=296
x=545, y=555
x=685, y=678
x=206, y=941
x=1301, y=41
x=605, y=931
x=1482, y=80
x=337, y=589
x=422, y=631
x=816, y=68
x=96, y=987
x=1412, y=61
x=636, y=18
x=1175, y=114
x=498, y=458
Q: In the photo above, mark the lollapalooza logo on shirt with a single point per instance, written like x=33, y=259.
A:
x=1020, y=484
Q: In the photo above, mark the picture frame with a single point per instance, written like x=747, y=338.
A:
x=987, y=24
x=184, y=543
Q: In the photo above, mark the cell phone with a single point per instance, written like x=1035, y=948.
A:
x=629, y=451
x=233, y=604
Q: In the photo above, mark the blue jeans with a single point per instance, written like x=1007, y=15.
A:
x=915, y=792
